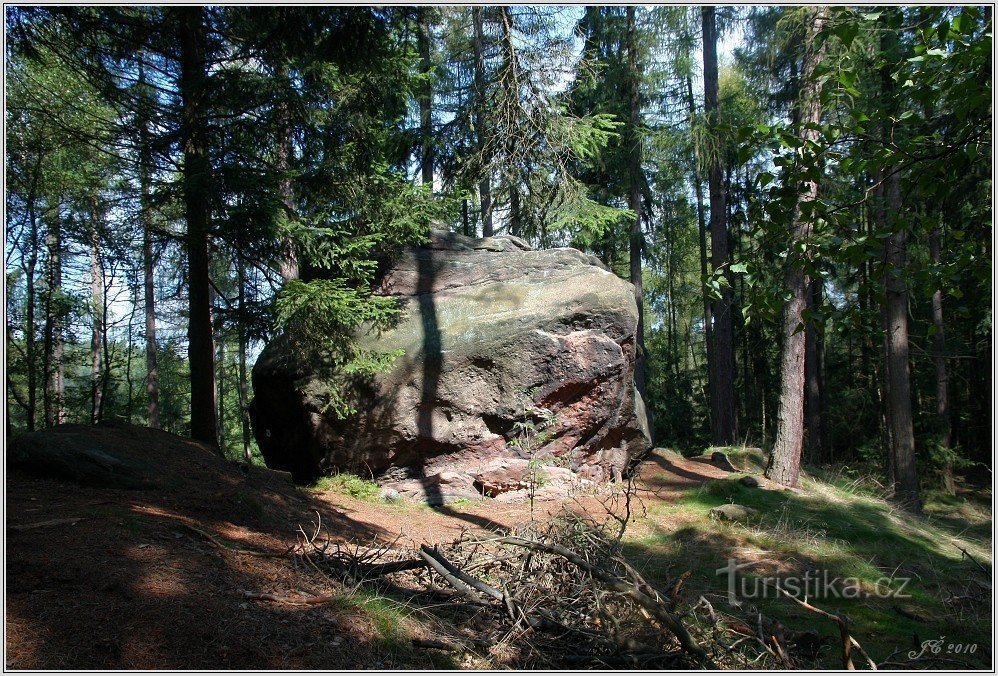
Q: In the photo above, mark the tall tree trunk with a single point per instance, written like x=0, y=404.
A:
x=53, y=366
x=939, y=361
x=244, y=420
x=481, y=134
x=425, y=96
x=30, y=343
x=220, y=360
x=702, y=237
x=97, y=311
x=879, y=224
x=723, y=426
x=899, y=417
x=197, y=193
x=148, y=272
x=814, y=407
x=105, y=380
x=288, y=265
x=637, y=238
x=784, y=466
x=130, y=344
x=670, y=274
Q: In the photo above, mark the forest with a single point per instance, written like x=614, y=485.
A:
x=800, y=198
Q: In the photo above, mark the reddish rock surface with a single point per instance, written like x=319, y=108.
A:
x=509, y=354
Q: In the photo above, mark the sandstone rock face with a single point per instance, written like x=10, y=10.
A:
x=511, y=357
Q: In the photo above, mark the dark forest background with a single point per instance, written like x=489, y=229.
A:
x=806, y=219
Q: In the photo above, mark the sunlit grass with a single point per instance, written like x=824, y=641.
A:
x=843, y=526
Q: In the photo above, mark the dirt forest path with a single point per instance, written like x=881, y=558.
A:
x=662, y=477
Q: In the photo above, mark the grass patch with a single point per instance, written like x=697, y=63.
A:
x=747, y=459
x=349, y=484
x=839, y=524
x=388, y=618
x=729, y=489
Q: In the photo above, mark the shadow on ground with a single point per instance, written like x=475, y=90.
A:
x=150, y=579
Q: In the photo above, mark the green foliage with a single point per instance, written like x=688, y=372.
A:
x=729, y=489
x=349, y=484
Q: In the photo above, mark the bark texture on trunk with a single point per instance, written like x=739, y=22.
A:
x=939, y=361
x=244, y=420
x=97, y=327
x=784, y=464
x=481, y=133
x=289, y=265
x=53, y=366
x=425, y=97
x=637, y=236
x=722, y=391
x=148, y=269
x=899, y=417
x=702, y=237
x=30, y=344
x=817, y=450
x=197, y=193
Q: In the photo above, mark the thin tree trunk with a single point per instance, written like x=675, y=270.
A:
x=702, y=235
x=939, y=360
x=481, y=134
x=97, y=311
x=288, y=265
x=515, y=224
x=816, y=445
x=878, y=223
x=244, y=420
x=636, y=178
x=197, y=192
x=220, y=346
x=425, y=97
x=128, y=361
x=149, y=277
x=53, y=366
x=105, y=380
x=670, y=273
x=899, y=415
x=30, y=343
x=723, y=426
x=784, y=464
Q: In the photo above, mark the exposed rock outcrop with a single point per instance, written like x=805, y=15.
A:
x=509, y=354
x=74, y=454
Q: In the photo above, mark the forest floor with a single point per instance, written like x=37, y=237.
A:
x=158, y=579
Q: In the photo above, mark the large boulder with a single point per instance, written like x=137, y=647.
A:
x=508, y=353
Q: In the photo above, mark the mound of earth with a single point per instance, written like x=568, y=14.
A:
x=152, y=577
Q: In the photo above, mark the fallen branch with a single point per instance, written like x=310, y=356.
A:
x=461, y=575
x=304, y=601
x=454, y=581
x=848, y=642
x=221, y=545
x=615, y=583
x=368, y=571
x=967, y=554
x=908, y=614
x=435, y=644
